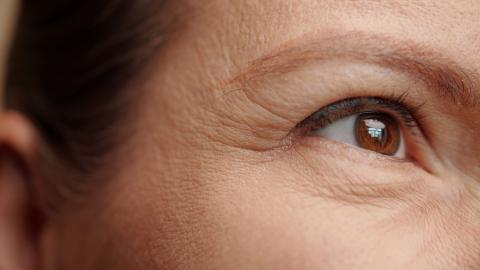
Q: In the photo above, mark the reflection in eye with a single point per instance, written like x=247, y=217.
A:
x=379, y=133
x=375, y=124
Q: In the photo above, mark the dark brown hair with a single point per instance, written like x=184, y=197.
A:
x=68, y=69
x=70, y=62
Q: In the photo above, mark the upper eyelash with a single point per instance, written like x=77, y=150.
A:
x=395, y=103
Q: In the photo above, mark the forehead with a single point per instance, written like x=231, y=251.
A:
x=252, y=26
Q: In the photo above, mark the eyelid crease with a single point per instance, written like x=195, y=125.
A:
x=442, y=75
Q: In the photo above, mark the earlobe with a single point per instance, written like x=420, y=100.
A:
x=18, y=242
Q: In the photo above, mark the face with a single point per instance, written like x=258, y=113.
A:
x=295, y=134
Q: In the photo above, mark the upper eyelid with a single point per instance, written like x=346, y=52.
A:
x=443, y=77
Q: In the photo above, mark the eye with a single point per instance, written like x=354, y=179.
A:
x=378, y=132
x=374, y=124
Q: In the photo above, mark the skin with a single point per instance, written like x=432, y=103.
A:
x=212, y=177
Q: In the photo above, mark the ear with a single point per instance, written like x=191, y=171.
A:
x=19, y=219
x=18, y=222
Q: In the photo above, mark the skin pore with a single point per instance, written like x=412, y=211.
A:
x=217, y=173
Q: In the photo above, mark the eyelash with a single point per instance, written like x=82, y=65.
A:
x=396, y=105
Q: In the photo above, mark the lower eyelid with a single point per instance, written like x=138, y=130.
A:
x=419, y=154
x=358, y=175
x=327, y=148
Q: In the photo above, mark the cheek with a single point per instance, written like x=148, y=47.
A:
x=452, y=230
x=264, y=218
x=289, y=211
x=271, y=215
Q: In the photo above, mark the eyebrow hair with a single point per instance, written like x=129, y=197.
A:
x=442, y=75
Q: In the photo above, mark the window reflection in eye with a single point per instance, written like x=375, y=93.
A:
x=380, y=133
x=371, y=123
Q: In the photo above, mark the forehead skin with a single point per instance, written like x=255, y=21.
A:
x=251, y=27
x=197, y=188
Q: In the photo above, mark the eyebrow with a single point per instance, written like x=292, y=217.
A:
x=442, y=75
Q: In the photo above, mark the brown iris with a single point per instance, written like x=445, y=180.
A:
x=378, y=132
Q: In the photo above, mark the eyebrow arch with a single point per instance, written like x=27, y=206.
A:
x=442, y=75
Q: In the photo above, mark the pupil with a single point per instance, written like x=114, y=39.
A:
x=378, y=132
